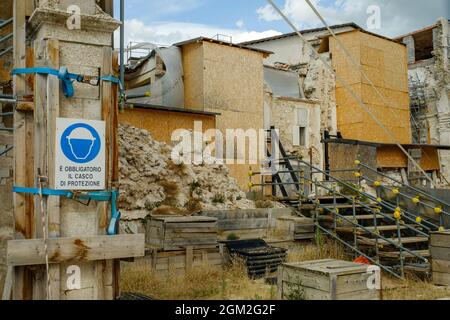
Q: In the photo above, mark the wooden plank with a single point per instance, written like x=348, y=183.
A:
x=8, y=286
x=441, y=279
x=53, y=203
x=103, y=208
x=22, y=203
x=439, y=253
x=191, y=219
x=76, y=249
x=6, y=162
x=440, y=240
x=440, y=266
x=25, y=106
x=189, y=258
x=6, y=140
x=243, y=224
x=40, y=159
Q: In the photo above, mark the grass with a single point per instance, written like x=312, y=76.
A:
x=205, y=283
x=232, y=283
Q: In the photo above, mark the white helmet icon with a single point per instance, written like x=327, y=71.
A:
x=81, y=142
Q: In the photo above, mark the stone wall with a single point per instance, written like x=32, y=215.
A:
x=431, y=78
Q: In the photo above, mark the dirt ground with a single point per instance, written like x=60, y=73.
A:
x=231, y=283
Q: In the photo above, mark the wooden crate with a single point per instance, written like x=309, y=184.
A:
x=440, y=255
x=296, y=228
x=179, y=262
x=178, y=233
x=326, y=280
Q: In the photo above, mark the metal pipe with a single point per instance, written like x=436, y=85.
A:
x=6, y=22
x=358, y=251
x=7, y=129
x=409, y=187
x=388, y=206
x=406, y=196
x=122, y=46
x=6, y=114
x=6, y=151
x=380, y=213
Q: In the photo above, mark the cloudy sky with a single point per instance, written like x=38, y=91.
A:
x=169, y=21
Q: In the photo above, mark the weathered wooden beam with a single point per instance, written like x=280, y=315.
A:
x=75, y=249
x=25, y=106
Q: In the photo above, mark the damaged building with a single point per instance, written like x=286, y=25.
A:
x=429, y=84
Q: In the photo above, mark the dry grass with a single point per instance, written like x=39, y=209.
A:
x=232, y=283
x=203, y=283
x=412, y=288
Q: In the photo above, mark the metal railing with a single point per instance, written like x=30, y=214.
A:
x=420, y=193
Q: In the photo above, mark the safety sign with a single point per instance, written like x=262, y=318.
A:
x=80, y=154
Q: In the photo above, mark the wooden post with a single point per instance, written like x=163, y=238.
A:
x=23, y=204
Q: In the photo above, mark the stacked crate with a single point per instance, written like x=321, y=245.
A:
x=440, y=255
x=328, y=280
x=178, y=244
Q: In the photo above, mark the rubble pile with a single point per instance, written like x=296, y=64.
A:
x=150, y=182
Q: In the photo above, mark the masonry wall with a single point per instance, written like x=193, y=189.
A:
x=283, y=115
x=385, y=63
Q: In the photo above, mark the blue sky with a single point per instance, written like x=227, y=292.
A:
x=169, y=21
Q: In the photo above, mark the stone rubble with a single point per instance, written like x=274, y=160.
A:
x=150, y=182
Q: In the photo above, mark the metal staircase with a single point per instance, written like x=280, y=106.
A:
x=389, y=224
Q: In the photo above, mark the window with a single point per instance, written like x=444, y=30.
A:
x=301, y=132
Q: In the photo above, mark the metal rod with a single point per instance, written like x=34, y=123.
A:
x=122, y=46
x=6, y=114
x=386, y=205
x=406, y=186
x=6, y=22
x=8, y=36
x=379, y=213
x=397, y=245
x=7, y=129
x=6, y=151
x=6, y=51
x=358, y=251
x=406, y=196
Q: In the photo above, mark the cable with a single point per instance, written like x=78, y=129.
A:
x=350, y=91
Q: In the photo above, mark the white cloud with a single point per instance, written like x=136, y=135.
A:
x=240, y=23
x=166, y=33
x=397, y=17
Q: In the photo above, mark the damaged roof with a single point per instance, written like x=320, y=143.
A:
x=303, y=32
x=287, y=35
x=224, y=43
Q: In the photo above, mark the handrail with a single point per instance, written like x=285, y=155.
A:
x=406, y=186
x=6, y=22
x=6, y=151
x=358, y=251
x=371, y=197
x=405, y=195
x=374, y=212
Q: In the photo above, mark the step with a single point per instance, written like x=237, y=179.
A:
x=396, y=254
x=405, y=240
x=350, y=218
x=370, y=229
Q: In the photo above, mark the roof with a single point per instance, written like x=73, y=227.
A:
x=338, y=26
x=379, y=144
x=399, y=38
x=204, y=39
x=170, y=109
x=287, y=35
